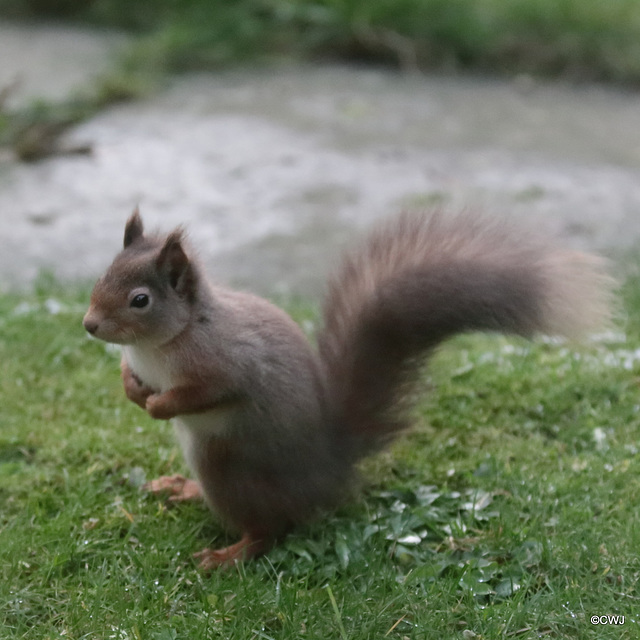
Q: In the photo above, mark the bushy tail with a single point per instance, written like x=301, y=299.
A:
x=422, y=278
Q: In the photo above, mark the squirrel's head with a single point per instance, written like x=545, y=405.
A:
x=148, y=293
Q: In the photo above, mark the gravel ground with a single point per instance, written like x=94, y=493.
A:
x=272, y=170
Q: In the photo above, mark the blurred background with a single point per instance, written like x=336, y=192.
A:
x=277, y=129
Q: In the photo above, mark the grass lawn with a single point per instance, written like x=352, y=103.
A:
x=511, y=511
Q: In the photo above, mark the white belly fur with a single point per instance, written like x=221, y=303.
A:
x=150, y=367
x=153, y=372
x=190, y=428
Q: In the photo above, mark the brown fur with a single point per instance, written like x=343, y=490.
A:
x=420, y=279
x=271, y=429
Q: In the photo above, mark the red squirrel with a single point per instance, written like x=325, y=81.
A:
x=272, y=427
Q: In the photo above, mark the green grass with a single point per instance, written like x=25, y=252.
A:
x=509, y=512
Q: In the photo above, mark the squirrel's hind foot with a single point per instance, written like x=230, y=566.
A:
x=179, y=488
x=248, y=547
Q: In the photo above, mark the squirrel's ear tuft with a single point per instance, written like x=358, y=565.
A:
x=175, y=265
x=134, y=228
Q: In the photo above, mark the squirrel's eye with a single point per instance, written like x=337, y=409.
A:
x=140, y=301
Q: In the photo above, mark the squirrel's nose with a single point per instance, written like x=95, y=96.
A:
x=90, y=325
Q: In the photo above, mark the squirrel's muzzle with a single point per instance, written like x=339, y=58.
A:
x=90, y=324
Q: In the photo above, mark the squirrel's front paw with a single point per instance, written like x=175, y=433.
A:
x=135, y=390
x=158, y=407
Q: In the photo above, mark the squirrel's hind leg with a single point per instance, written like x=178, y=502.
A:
x=248, y=547
x=180, y=488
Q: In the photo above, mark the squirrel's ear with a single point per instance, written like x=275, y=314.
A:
x=173, y=262
x=133, y=229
